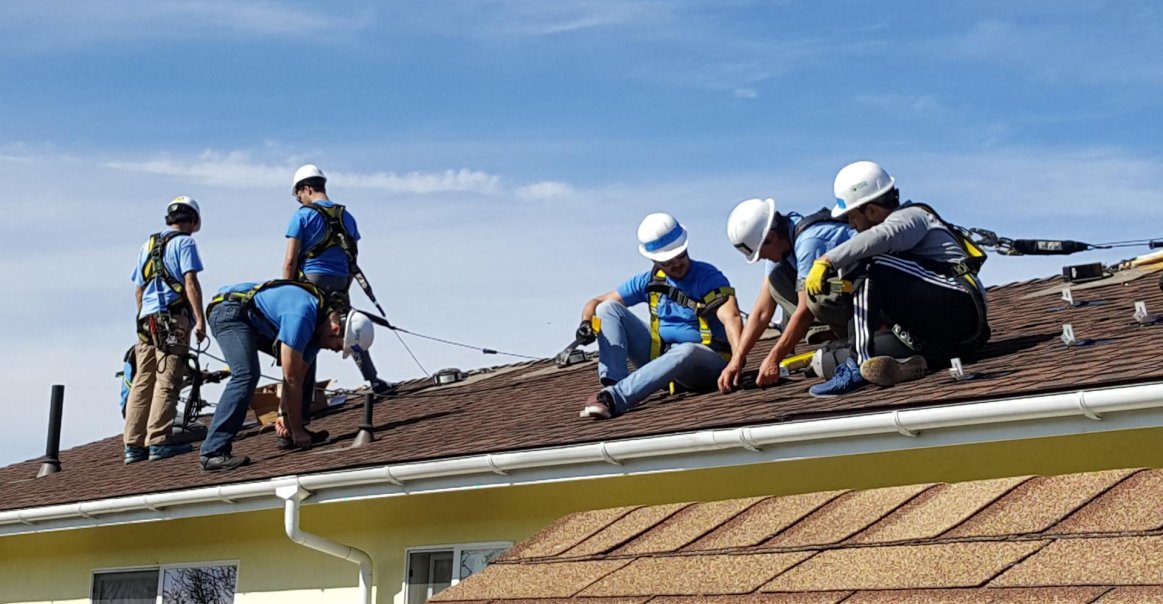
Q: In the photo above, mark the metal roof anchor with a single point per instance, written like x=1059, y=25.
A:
x=1069, y=298
x=1069, y=339
x=958, y=371
x=1142, y=317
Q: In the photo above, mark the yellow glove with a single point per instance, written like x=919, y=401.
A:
x=814, y=284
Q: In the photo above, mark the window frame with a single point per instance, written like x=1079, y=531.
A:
x=161, y=574
x=455, y=548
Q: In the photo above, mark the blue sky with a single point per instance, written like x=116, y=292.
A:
x=499, y=154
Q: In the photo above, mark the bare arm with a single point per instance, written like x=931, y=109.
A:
x=728, y=314
x=761, y=313
x=592, y=306
x=797, y=328
x=291, y=402
x=194, y=297
x=138, y=294
x=291, y=259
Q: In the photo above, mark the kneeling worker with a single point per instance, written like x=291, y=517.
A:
x=910, y=271
x=793, y=242
x=289, y=319
x=694, y=325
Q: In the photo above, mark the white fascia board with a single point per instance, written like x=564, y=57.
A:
x=1076, y=412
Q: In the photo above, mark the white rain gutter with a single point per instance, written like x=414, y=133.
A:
x=294, y=495
x=1006, y=419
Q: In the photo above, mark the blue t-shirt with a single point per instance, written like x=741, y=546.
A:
x=677, y=323
x=181, y=257
x=814, y=242
x=309, y=227
x=289, y=314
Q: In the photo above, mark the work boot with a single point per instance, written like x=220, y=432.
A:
x=135, y=454
x=223, y=462
x=157, y=452
x=846, y=379
x=384, y=388
x=598, y=406
x=888, y=371
x=288, y=444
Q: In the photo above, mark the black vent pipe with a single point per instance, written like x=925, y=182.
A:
x=52, y=450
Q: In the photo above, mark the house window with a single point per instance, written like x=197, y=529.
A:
x=431, y=570
x=172, y=584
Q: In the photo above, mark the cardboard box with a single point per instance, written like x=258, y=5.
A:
x=265, y=402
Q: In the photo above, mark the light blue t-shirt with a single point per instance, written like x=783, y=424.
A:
x=309, y=227
x=814, y=242
x=180, y=257
x=289, y=314
x=677, y=323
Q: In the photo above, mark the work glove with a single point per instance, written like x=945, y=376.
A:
x=585, y=333
x=817, y=276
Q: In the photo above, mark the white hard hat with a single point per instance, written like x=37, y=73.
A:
x=749, y=224
x=307, y=171
x=859, y=183
x=358, y=333
x=181, y=202
x=661, y=237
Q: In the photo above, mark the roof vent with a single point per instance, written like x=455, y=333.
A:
x=447, y=376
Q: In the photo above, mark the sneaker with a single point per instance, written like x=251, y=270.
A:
x=887, y=371
x=384, y=388
x=287, y=444
x=223, y=462
x=134, y=454
x=598, y=406
x=157, y=452
x=847, y=379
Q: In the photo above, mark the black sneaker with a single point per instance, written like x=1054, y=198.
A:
x=384, y=388
x=224, y=462
x=288, y=444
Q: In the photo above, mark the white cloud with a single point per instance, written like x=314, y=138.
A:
x=746, y=94
x=903, y=104
x=548, y=189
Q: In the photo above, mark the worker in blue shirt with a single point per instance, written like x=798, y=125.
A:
x=169, y=304
x=793, y=242
x=292, y=321
x=694, y=325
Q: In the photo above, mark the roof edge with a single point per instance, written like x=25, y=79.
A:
x=988, y=421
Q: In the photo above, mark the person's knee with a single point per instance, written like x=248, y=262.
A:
x=610, y=308
x=685, y=350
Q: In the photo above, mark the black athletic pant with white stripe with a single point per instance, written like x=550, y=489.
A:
x=940, y=314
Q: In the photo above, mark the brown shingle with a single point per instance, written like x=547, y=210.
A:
x=763, y=521
x=1091, y=561
x=1039, y=503
x=1133, y=595
x=566, y=533
x=904, y=567
x=642, y=600
x=1121, y=508
x=937, y=510
x=800, y=598
x=1015, y=595
x=551, y=580
x=686, y=526
x=845, y=515
x=694, y=575
x=629, y=526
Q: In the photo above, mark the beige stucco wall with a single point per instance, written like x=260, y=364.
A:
x=57, y=566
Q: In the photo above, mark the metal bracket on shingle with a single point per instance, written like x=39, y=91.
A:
x=1069, y=298
x=1142, y=317
x=957, y=370
x=1086, y=410
x=900, y=427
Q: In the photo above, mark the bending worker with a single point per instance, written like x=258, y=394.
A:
x=169, y=303
x=291, y=321
x=910, y=271
x=793, y=243
x=694, y=325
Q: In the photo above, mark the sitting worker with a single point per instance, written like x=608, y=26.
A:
x=169, y=303
x=322, y=248
x=793, y=243
x=694, y=325
x=292, y=320
x=910, y=271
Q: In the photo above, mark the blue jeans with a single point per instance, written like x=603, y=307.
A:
x=624, y=337
x=239, y=345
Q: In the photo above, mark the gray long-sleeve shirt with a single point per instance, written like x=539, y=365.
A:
x=909, y=230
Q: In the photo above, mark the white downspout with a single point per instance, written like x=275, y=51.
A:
x=294, y=495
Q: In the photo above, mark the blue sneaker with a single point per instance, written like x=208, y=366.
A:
x=847, y=379
x=157, y=452
x=135, y=454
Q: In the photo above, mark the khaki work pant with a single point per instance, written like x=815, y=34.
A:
x=832, y=311
x=153, y=397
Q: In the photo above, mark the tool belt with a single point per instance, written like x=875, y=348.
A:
x=164, y=330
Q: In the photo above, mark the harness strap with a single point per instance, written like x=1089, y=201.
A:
x=246, y=298
x=658, y=287
x=155, y=268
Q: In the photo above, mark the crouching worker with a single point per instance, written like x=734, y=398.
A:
x=290, y=320
x=910, y=272
x=793, y=243
x=694, y=325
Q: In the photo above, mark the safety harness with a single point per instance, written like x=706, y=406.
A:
x=159, y=328
x=335, y=234
x=807, y=222
x=711, y=302
x=246, y=299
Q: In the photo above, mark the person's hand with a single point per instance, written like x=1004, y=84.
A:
x=729, y=378
x=768, y=371
x=814, y=283
x=585, y=333
x=281, y=428
x=200, y=331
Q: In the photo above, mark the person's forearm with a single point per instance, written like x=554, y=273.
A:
x=797, y=327
x=590, y=308
x=194, y=296
x=757, y=323
x=291, y=402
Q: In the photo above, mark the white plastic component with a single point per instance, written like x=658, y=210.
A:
x=749, y=224
x=358, y=333
x=956, y=370
x=304, y=172
x=1068, y=335
x=1068, y=297
x=661, y=237
x=859, y=183
x=1141, y=314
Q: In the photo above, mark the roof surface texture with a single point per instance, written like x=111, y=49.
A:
x=534, y=404
x=1093, y=537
